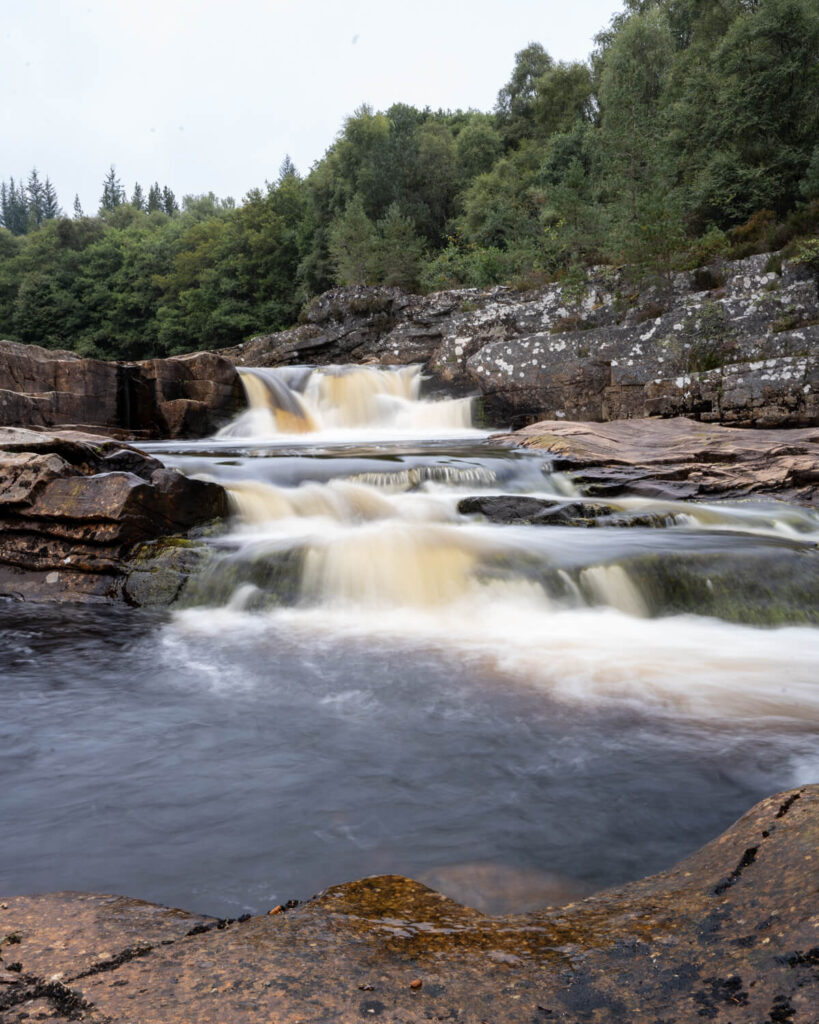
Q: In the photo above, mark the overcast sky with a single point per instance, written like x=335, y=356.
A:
x=209, y=95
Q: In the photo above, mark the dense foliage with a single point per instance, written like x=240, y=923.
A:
x=692, y=132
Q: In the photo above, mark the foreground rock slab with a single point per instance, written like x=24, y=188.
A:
x=680, y=458
x=731, y=934
x=81, y=517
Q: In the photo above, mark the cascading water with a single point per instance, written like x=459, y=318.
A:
x=337, y=399
x=366, y=680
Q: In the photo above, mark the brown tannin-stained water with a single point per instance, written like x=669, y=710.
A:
x=366, y=680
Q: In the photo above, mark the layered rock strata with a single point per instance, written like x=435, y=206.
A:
x=84, y=517
x=189, y=396
x=734, y=343
x=679, y=458
x=728, y=935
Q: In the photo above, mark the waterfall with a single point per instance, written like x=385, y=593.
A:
x=300, y=400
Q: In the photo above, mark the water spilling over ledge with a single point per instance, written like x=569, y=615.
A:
x=333, y=401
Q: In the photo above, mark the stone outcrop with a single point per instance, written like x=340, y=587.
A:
x=191, y=395
x=728, y=935
x=84, y=517
x=679, y=458
x=735, y=343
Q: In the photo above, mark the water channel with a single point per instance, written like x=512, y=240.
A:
x=366, y=680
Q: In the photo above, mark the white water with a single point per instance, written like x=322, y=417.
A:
x=339, y=404
x=386, y=559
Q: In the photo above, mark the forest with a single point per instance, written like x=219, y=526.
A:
x=691, y=133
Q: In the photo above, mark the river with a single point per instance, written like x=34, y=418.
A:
x=366, y=680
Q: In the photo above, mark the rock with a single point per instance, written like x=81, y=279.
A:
x=742, y=352
x=79, y=514
x=513, y=508
x=679, y=458
x=727, y=935
x=190, y=395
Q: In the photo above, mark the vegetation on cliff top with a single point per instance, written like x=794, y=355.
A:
x=691, y=133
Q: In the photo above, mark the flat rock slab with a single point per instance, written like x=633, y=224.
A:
x=680, y=458
x=731, y=934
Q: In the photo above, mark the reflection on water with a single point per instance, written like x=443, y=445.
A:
x=368, y=681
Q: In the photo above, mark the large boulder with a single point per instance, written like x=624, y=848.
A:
x=728, y=935
x=75, y=509
x=191, y=395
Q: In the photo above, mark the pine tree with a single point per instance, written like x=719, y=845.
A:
x=35, y=194
x=169, y=203
x=287, y=169
x=78, y=214
x=14, y=207
x=138, y=198
x=154, y=198
x=113, y=194
x=51, y=205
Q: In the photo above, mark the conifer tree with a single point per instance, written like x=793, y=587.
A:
x=154, y=198
x=77, y=207
x=138, y=197
x=113, y=194
x=169, y=203
x=51, y=205
x=36, y=198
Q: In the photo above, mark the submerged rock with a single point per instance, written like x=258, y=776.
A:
x=75, y=508
x=728, y=935
x=514, y=508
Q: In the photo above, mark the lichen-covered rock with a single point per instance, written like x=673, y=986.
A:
x=728, y=935
x=74, y=507
x=615, y=351
x=188, y=395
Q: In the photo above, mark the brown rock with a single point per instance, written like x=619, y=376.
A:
x=680, y=458
x=74, y=508
x=728, y=935
x=190, y=395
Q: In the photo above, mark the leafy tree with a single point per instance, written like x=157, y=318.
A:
x=515, y=107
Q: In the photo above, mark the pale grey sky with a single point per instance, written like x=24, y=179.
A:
x=209, y=95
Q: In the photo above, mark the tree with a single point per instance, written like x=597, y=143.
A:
x=154, y=198
x=36, y=198
x=51, y=205
x=515, y=107
x=113, y=194
x=169, y=203
x=138, y=197
x=398, y=252
x=77, y=207
x=352, y=243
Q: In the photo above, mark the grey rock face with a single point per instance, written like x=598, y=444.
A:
x=734, y=343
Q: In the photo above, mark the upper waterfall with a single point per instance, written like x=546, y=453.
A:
x=343, y=399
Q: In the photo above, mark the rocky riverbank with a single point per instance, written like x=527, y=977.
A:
x=187, y=396
x=88, y=518
x=727, y=935
x=733, y=343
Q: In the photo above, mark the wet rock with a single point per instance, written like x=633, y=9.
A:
x=727, y=935
x=513, y=508
x=75, y=510
x=191, y=395
x=680, y=458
